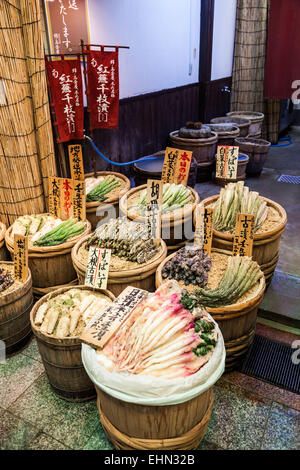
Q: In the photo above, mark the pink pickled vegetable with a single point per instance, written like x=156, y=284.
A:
x=162, y=338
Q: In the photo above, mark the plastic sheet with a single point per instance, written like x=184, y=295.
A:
x=147, y=390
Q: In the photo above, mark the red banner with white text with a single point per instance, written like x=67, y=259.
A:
x=65, y=82
x=103, y=89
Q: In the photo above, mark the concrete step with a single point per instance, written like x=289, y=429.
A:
x=282, y=300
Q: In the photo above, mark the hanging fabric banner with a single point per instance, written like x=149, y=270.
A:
x=282, y=70
x=103, y=89
x=65, y=83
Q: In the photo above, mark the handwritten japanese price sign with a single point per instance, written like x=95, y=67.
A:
x=154, y=199
x=54, y=196
x=183, y=165
x=243, y=236
x=169, y=166
x=227, y=162
x=66, y=198
x=76, y=162
x=79, y=207
x=111, y=319
x=204, y=228
x=20, y=258
x=98, y=267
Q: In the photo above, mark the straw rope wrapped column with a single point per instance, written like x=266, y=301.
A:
x=249, y=65
x=34, y=48
x=21, y=188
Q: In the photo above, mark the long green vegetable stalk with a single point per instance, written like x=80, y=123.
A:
x=68, y=229
x=234, y=198
x=98, y=193
x=241, y=274
x=174, y=196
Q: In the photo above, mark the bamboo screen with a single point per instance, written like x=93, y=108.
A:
x=34, y=48
x=26, y=145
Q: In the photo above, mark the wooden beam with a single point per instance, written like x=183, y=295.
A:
x=206, y=39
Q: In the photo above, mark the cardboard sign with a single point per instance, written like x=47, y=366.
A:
x=227, y=162
x=169, y=166
x=204, y=228
x=154, y=199
x=183, y=165
x=243, y=237
x=79, y=206
x=20, y=257
x=66, y=198
x=76, y=162
x=98, y=267
x=54, y=196
x=111, y=319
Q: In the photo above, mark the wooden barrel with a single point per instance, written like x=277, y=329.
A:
x=236, y=322
x=62, y=357
x=3, y=251
x=15, y=306
x=39, y=292
x=175, y=225
x=108, y=209
x=142, y=277
x=258, y=150
x=152, y=169
x=243, y=124
x=203, y=149
x=171, y=249
x=256, y=119
x=241, y=172
x=50, y=265
x=205, y=171
x=265, y=245
x=225, y=136
x=140, y=427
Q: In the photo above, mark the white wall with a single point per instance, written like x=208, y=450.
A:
x=163, y=36
x=223, y=38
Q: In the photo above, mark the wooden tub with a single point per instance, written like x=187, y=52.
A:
x=142, y=277
x=140, y=427
x=203, y=149
x=236, y=322
x=265, y=245
x=15, y=306
x=50, y=265
x=62, y=357
x=174, y=224
x=256, y=120
x=105, y=208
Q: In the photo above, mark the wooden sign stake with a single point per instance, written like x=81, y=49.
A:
x=76, y=162
x=227, y=162
x=243, y=236
x=204, y=228
x=154, y=201
x=54, y=196
x=112, y=318
x=98, y=267
x=20, y=257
